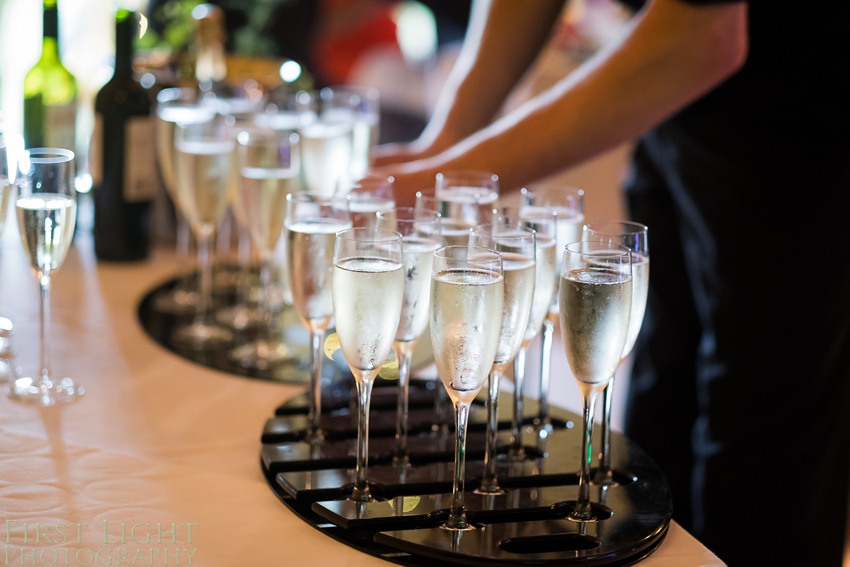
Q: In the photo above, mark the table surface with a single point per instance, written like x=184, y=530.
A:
x=155, y=440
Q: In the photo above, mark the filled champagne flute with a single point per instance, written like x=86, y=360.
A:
x=185, y=107
x=367, y=197
x=517, y=248
x=311, y=225
x=453, y=231
x=635, y=237
x=327, y=134
x=420, y=239
x=368, y=290
x=202, y=172
x=364, y=105
x=545, y=280
x=468, y=195
x=467, y=294
x=595, y=306
x=566, y=205
x=47, y=210
x=268, y=165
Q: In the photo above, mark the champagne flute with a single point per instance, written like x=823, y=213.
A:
x=420, y=239
x=545, y=280
x=202, y=169
x=467, y=294
x=595, y=305
x=364, y=104
x=268, y=168
x=47, y=211
x=311, y=225
x=173, y=106
x=366, y=198
x=368, y=289
x=566, y=204
x=453, y=231
x=635, y=237
x=467, y=195
x=517, y=247
x=327, y=133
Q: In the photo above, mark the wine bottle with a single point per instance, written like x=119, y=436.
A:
x=50, y=93
x=122, y=156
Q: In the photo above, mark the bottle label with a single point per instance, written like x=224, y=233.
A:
x=96, y=151
x=139, y=162
x=60, y=121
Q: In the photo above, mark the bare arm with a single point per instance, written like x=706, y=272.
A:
x=673, y=53
x=503, y=38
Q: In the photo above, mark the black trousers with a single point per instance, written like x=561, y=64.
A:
x=741, y=382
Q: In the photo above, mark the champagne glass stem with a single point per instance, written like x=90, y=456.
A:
x=605, y=455
x=243, y=288
x=44, y=332
x=457, y=515
x=545, y=367
x=315, y=417
x=516, y=422
x=263, y=300
x=404, y=354
x=205, y=262
x=583, y=511
x=490, y=482
x=364, y=393
x=184, y=244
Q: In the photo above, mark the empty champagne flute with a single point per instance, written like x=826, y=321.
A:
x=47, y=211
x=635, y=237
x=566, y=204
x=202, y=171
x=311, y=225
x=545, y=280
x=516, y=246
x=173, y=106
x=467, y=294
x=420, y=239
x=366, y=198
x=595, y=306
x=268, y=168
x=368, y=289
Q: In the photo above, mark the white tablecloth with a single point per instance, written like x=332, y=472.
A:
x=155, y=440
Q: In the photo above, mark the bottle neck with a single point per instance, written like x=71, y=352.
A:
x=50, y=41
x=126, y=27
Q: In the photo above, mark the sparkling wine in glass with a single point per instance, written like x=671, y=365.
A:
x=420, y=239
x=467, y=195
x=47, y=210
x=566, y=205
x=467, y=294
x=177, y=106
x=311, y=225
x=635, y=237
x=517, y=248
x=368, y=290
x=202, y=171
x=545, y=280
x=367, y=198
x=268, y=167
x=595, y=306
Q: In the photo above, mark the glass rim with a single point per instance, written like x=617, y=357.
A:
x=172, y=94
x=443, y=251
x=61, y=155
x=532, y=192
x=386, y=235
x=467, y=174
x=640, y=227
x=614, y=249
x=528, y=231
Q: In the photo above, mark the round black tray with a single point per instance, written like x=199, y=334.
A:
x=524, y=526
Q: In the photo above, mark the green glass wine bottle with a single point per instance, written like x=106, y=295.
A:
x=122, y=159
x=50, y=93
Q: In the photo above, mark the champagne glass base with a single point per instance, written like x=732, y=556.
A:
x=604, y=478
x=202, y=336
x=261, y=354
x=31, y=392
x=466, y=528
x=176, y=302
x=239, y=317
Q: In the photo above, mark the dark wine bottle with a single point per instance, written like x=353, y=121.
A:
x=122, y=157
x=50, y=93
